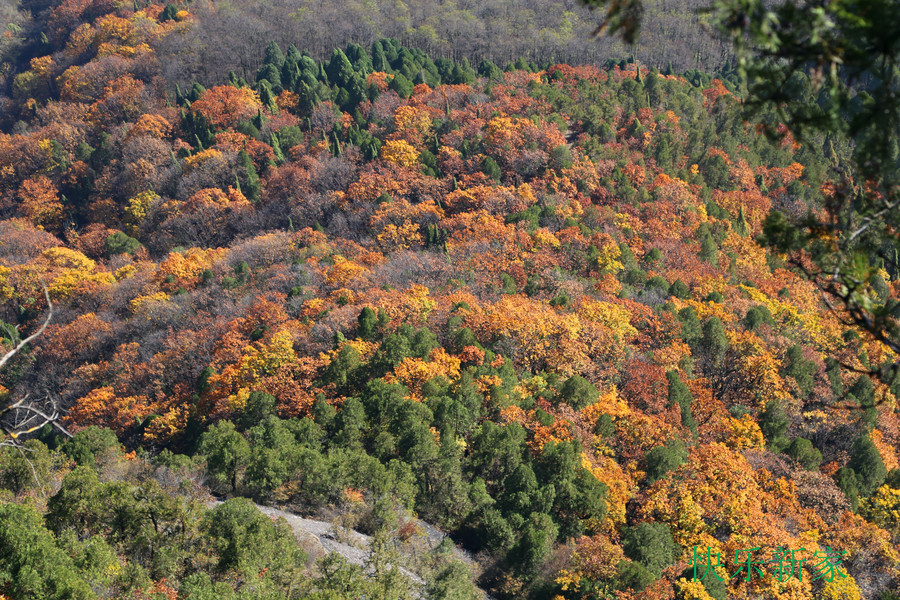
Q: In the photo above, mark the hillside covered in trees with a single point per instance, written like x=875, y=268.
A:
x=498, y=30
x=521, y=300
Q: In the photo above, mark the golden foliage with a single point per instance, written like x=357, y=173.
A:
x=616, y=317
x=543, y=238
x=415, y=372
x=609, y=404
x=692, y=590
x=400, y=152
x=233, y=200
x=343, y=271
x=403, y=237
x=265, y=361
x=608, y=258
x=808, y=323
x=415, y=304
x=413, y=119
x=547, y=339
x=151, y=125
x=744, y=433
x=620, y=484
x=717, y=490
x=883, y=509
x=288, y=100
x=595, y=558
x=168, y=425
x=74, y=272
x=706, y=310
x=380, y=79
x=136, y=303
x=841, y=588
x=885, y=449
x=138, y=207
x=195, y=160
x=756, y=369
x=183, y=270
x=269, y=365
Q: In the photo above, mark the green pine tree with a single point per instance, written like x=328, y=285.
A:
x=680, y=394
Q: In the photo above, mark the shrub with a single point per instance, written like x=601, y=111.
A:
x=804, y=453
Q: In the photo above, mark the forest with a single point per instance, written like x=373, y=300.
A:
x=417, y=277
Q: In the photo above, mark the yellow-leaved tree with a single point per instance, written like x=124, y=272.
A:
x=400, y=152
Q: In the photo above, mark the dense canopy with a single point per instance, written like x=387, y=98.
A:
x=520, y=300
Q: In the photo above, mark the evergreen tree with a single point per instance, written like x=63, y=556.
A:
x=31, y=564
x=248, y=542
x=846, y=480
x=342, y=370
x=709, y=251
x=716, y=173
x=800, y=369
x=120, y=243
x=863, y=391
x=267, y=96
x=452, y=582
x=271, y=76
x=350, y=424
x=663, y=153
x=379, y=59
x=833, y=372
x=637, y=129
x=227, y=454
x=535, y=544
x=804, y=453
x=605, y=133
x=652, y=86
x=652, y=545
x=865, y=460
x=339, y=70
x=276, y=149
x=462, y=74
x=756, y=316
x=714, y=342
x=259, y=406
x=680, y=394
x=691, y=327
x=741, y=226
x=578, y=392
x=367, y=322
x=632, y=575
x=401, y=85
x=359, y=59
x=274, y=55
x=250, y=186
x=489, y=70
x=168, y=13
x=774, y=424
x=679, y=289
x=197, y=90
x=490, y=168
x=91, y=444
x=662, y=459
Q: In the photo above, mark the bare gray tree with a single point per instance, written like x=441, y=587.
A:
x=28, y=414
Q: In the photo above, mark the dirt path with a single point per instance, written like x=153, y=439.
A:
x=320, y=538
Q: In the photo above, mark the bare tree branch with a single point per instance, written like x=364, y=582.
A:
x=45, y=419
x=36, y=417
x=837, y=286
x=34, y=335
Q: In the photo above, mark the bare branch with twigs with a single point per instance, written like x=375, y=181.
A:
x=35, y=415
x=6, y=357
